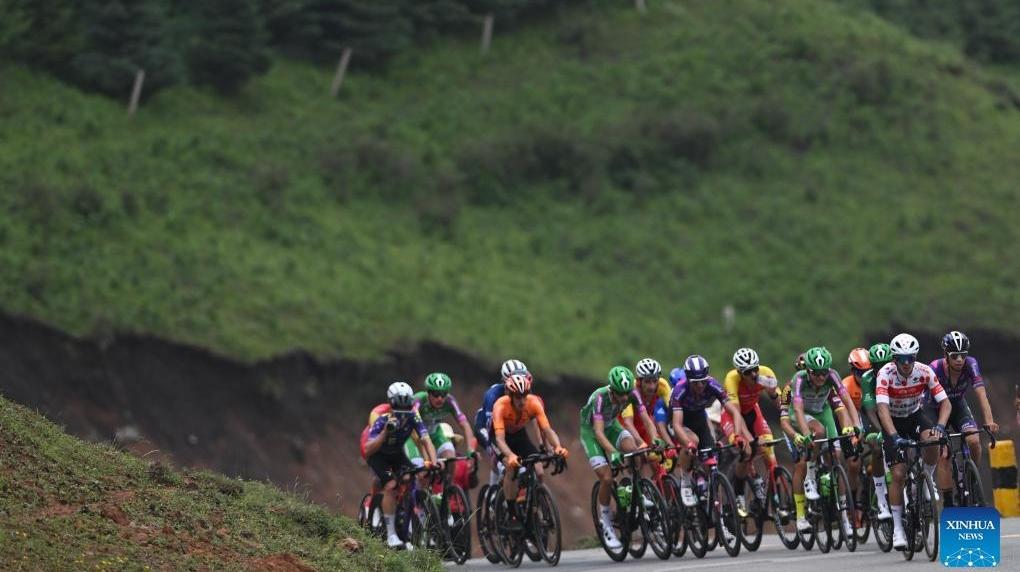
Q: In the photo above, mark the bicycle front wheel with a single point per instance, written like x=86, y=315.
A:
x=975, y=493
x=483, y=523
x=655, y=521
x=845, y=511
x=546, y=525
x=784, y=508
x=507, y=532
x=671, y=496
x=456, y=516
x=928, y=516
x=727, y=522
x=619, y=523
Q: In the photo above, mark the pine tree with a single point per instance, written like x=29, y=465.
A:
x=433, y=17
x=374, y=30
x=228, y=44
x=287, y=22
x=52, y=35
x=13, y=24
x=121, y=37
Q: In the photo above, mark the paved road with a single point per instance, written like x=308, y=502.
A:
x=772, y=555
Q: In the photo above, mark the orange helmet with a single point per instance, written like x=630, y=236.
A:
x=518, y=384
x=859, y=359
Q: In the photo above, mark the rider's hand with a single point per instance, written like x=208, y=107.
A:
x=391, y=424
x=470, y=454
x=513, y=462
x=939, y=430
x=562, y=452
x=658, y=443
x=901, y=442
x=670, y=453
x=848, y=431
x=992, y=426
x=692, y=450
x=802, y=440
x=642, y=445
x=615, y=459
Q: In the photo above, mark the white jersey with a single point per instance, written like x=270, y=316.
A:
x=905, y=396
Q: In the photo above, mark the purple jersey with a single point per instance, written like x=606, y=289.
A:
x=684, y=398
x=970, y=376
x=407, y=423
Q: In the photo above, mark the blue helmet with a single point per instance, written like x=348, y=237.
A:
x=696, y=368
x=676, y=375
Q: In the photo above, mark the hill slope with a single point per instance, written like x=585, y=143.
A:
x=69, y=505
x=598, y=188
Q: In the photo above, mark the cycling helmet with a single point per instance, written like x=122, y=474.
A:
x=905, y=345
x=745, y=359
x=518, y=383
x=438, y=381
x=400, y=395
x=955, y=341
x=696, y=368
x=799, y=364
x=818, y=358
x=676, y=375
x=510, y=366
x=859, y=359
x=879, y=355
x=621, y=379
x=647, y=368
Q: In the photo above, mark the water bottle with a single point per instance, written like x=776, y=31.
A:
x=888, y=478
x=826, y=484
x=623, y=496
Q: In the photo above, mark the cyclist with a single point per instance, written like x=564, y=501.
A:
x=812, y=392
x=436, y=403
x=744, y=385
x=510, y=415
x=878, y=356
x=859, y=362
x=483, y=417
x=384, y=450
x=655, y=393
x=410, y=448
x=603, y=437
x=957, y=372
x=899, y=393
x=689, y=400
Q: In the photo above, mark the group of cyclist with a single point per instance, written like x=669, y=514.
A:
x=888, y=400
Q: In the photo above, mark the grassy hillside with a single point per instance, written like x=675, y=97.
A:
x=598, y=187
x=70, y=505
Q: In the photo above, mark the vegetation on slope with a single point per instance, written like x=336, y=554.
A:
x=598, y=187
x=70, y=505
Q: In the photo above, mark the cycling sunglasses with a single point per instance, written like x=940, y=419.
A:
x=437, y=394
x=819, y=372
x=905, y=359
x=752, y=371
x=957, y=355
x=858, y=371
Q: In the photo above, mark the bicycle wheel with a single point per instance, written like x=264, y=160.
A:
x=928, y=517
x=455, y=513
x=975, y=493
x=784, y=508
x=483, y=524
x=546, y=525
x=862, y=507
x=727, y=523
x=751, y=526
x=671, y=496
x=633, y=515
x=655, y=520
x=619, y=522
x=910, y=516
x=507, y=532
x=845, y=508
x=437, y=535
x=826, y=520
x=374, y=521
x=812, y=512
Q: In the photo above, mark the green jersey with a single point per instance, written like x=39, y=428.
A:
x=600, y=405
x=868, y=390
x=433, y=416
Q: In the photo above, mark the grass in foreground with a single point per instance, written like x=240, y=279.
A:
x=70, y=505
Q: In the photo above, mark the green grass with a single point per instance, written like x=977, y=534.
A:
x=61, y=500
x=597, y=188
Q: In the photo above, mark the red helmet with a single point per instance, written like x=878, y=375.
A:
x=860, y=359
x=518, y=384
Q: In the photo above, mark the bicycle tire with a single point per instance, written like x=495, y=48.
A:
x=655, y=521
x=374, y=521
x=756, y=510
x=928, y=518
x=483, y=524
x=975, y=493
x=546, y=518
x=437, y=533
x=726, y=516
x=810, y=537
x=508, y=543
x=619, y=523
x=863, y=500
x=845, y=508
x=671, y=495
x=455, y=514
x=784, y=508
x=909, y=515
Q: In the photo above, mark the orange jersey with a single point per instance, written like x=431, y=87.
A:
x=505, y=419
x=854, y=388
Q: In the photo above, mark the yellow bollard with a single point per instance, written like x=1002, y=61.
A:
x=1007, y=495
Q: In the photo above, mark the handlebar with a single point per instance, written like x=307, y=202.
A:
x=964, y=434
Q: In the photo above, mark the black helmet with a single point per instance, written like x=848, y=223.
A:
x=955, y=341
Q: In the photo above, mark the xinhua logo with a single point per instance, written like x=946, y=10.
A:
x=969, y=537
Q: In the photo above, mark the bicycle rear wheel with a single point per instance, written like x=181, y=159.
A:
x=546, y=520
x=619, y=523
x=783, y=508
x=910, y=516
x=374, y=521
x=455, y=514
x=727, y=523
x=975, y=494
x=862, y=508
x=845, y=511
x=752, y=526
x=812, y=512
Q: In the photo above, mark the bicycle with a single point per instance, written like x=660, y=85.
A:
x=833, y=505
x=455, y=513
x=770, y=499
x=637, y=508
x=417, y=520
x=866, y=502
x=716, y=508
x=537, y=519
x=968, y=489
x=920, y=508
x=669, y=488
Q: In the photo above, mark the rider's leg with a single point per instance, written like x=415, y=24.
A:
x=810, y=477
x=878, y=470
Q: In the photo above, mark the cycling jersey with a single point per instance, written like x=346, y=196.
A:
x=970, y=376
x=854, y=389
x=602, y=407
x=506, y=419
x=432, y=416
x=484, y=414
x=813, y=397
x=786, y=402
x=746, y=394
x=407, y=423
x=868, y=389
x=905, y=396
x=662, y=391
x=685, y=399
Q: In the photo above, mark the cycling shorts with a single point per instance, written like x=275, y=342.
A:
x=615, y=433
x=441, y=442
x=960, y=417
x=909, y=427
x=520, y=443
x=386, y=465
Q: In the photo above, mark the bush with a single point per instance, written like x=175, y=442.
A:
x=691, y=135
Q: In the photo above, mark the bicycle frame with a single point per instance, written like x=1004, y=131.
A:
x=961, y=493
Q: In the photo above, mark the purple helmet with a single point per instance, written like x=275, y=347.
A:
x=696, y=368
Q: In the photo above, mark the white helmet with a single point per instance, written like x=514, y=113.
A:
x=647, y=368
x=400, y=395
x=745, y=359
x=905, y=345
x=510, y=367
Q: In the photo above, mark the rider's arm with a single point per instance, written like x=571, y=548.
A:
x=848, y=402
x=678, y=427
x=424, y=443
x=462, y=419
x=626, y=419
x=940, y=397
x=499, y=427
x=738, y=420
x=843, y=415
x=381, y=432
x=599, y=426
x=986, y=408
x=647, y=420
x=536, y=409
x=882, y=404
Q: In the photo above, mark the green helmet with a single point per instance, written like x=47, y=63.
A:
x=438, y=381
x=880, y=354
x=818, y=358
x=621, y=379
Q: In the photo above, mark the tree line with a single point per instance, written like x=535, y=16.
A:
x=100, y=44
